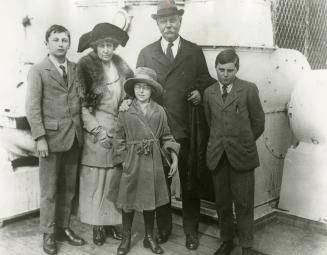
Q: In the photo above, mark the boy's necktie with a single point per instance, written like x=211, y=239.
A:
x=64, y=74
x=225, y=93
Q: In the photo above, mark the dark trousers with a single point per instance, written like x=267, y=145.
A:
x=190, y=198
x=57, y=187
x=232, y=186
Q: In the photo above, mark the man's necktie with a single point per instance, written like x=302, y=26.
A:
x=225, y=93
x=64, y=74
x=169, y=52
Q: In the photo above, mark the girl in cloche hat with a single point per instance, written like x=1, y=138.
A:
x=143, y=140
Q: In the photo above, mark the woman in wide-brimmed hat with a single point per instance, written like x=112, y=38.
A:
x=100, y=76
x=141, y=131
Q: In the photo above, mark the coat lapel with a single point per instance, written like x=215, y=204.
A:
x=54, y=73
x=217, y=95
x=159, y=56
x=182, y=54
x=71, y=73
x=234, y=93
x=152, y=108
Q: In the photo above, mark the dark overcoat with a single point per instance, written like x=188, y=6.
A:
x=142, y=185
x=235, y=125
x=188, y=72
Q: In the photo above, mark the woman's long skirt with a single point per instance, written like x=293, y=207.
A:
x=94, y=206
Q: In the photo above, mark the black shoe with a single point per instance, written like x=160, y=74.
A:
x=99, y=235
x=247, y=251
x=149, y=242
x=125, y=244
x=192, y=241
x=225, y=248
x=162, y=237
x=66, y=234
x=49, y=244
x=113, y=232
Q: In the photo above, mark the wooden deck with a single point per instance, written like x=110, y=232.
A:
x=22, y=237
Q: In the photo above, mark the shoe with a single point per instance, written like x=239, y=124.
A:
x=225, y=248
x=192, y=241
x=125, y=243
x=99, y=235
x=247, y=251
x=149, y=242
x=162, y=237
x=113, y=232
x=49, y=244
x=66, y=234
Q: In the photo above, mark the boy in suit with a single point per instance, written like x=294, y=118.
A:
x=53, y=112
x=236, y=119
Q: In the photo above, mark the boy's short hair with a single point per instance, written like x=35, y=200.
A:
x=56, y=29
x=228, y=56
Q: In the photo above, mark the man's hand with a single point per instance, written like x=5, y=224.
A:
x=42, y=149
x=125, y=105
x=194, y=97
x=174, y=165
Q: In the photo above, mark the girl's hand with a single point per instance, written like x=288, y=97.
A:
x=174, y=165
x=173, y=169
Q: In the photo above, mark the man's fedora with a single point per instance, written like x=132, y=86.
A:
x=145, y=75
x=102, y=31
x=167, y=8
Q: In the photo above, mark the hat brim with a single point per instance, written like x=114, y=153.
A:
x=102, y=31
x=84, y=42
x=156, y=88
x=175, y=12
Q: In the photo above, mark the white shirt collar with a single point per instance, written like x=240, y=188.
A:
x=229, y=87
x=57, y=64
x=174, y=48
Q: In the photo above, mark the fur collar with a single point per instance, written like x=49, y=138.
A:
x=90, y=73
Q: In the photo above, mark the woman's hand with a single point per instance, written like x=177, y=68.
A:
x=174, y=165
x=103, y=138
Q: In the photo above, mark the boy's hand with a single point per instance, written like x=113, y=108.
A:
x=42, y=149
x=125, y=105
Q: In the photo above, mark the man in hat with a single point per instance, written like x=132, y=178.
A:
x=183, y=73
x=53, y=112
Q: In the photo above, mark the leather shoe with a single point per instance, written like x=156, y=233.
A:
x=148, y=242
x=113, y=232
x=49, y=244
x=99, y=235
x=66, y=234
x=192, y=241
x=162, y=237
x=225, y=248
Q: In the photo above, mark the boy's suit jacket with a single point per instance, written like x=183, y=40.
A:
x=52, y=107
x=235, y=125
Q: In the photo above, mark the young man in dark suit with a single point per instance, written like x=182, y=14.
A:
x=236, y=120
x=53, y=112
x=182, y=71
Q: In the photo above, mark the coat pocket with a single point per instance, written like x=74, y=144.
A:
x=51, y=125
